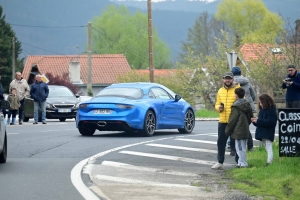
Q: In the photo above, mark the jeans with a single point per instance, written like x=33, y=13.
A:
x=241, y=152
x=12, y=113
x=21, y=109
x=222, y=139
x=249, y=143
x=39, y=106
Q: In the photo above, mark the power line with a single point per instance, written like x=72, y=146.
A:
x=48, y=26
x=41, y=48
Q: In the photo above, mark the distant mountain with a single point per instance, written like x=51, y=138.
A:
x=31, y=20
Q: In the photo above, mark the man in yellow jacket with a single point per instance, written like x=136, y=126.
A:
x=225, y=99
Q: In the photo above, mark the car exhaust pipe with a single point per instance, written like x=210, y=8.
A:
x=101, y=123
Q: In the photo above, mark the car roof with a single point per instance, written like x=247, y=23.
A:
x=142, y=85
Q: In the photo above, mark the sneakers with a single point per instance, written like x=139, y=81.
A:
x=35, y=123
x=44, y=123
x=20, y=122
x=217, y=166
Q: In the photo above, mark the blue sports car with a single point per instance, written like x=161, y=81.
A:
x=131, y=107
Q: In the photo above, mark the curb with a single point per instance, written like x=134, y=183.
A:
x=207, y=119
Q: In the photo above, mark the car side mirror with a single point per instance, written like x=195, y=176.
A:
x=77, y=95
x=177, y=97
x=4, y=104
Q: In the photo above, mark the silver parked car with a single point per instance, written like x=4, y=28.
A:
x=3, y=137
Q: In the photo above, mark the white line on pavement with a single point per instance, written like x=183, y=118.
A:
x=199, y=141
x=126, y=180
x=182, y=148
x=77, y=169
x=176, y=158
x=146, y=169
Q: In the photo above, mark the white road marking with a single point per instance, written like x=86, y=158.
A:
x=166, y=157
x=182, y=148
x=146, y=169
x=77, y=169
x=13, y=133
x=134, y=181
x=199, y=141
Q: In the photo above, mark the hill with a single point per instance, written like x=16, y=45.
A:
x=31, y=20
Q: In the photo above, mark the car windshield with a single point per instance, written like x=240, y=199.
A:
x=60, y=92
x=131, y=93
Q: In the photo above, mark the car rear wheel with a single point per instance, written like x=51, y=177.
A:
x=189, y=122
x=25, y=119
x=3, y=154
x=149, y=124
x=62, y=119
x=86, y=131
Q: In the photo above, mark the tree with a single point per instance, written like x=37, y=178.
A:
x=6, y=35
x=62, y=80
x=250, y=21
x=117, y=31
x=201, y=37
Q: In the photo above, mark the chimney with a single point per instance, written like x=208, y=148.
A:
x=74, y=71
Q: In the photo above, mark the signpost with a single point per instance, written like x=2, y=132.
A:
x=231, y=58
x=289, y=132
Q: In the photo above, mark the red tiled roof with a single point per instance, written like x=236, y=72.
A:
x=157, y=72
x=251, y=52
x=105, y=68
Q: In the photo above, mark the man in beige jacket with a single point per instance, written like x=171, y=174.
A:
x=23, y=90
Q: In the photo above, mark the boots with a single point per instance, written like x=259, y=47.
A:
x=8, y=121
x=13, y=121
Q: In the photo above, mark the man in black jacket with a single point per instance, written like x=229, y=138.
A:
x=292, y=84
x=39, y=92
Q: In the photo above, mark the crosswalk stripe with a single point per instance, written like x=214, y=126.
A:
x=199, y=141
x=176, y=158
x=140, y=182
x=146, y=169
x=182, y=148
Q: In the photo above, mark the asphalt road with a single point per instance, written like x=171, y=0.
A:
x=41, y=158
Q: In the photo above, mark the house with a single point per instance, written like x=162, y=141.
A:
x=105, y=69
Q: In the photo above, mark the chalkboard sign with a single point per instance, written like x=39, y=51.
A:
x=289, y=132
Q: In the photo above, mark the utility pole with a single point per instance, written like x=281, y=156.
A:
x=13, y=59
x=89, y=64
x=151, y=68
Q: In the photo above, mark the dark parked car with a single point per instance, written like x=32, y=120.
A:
x=62, y=104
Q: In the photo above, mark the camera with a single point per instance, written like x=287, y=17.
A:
x=288, y=81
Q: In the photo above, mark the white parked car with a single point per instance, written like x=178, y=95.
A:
x=3, y=137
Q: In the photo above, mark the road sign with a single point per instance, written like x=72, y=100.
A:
x=231, y=58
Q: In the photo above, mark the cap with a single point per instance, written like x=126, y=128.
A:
x=291, y=66
x=236, y=70
x=228, y=74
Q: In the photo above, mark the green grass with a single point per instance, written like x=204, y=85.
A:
x=203, y=113
x=279, y=180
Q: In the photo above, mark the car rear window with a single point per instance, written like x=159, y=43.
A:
x=59, y=92
x=131, y=93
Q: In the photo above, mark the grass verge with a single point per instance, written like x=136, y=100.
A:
x=203, y=113
x=279, y=180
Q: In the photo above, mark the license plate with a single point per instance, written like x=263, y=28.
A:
x=102, y=111
x=64, y=110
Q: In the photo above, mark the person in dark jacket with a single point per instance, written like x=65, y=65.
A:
x=238, y=125
x=266, y=123
x=250, y=95
x=39, y=92
x=292, y=85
